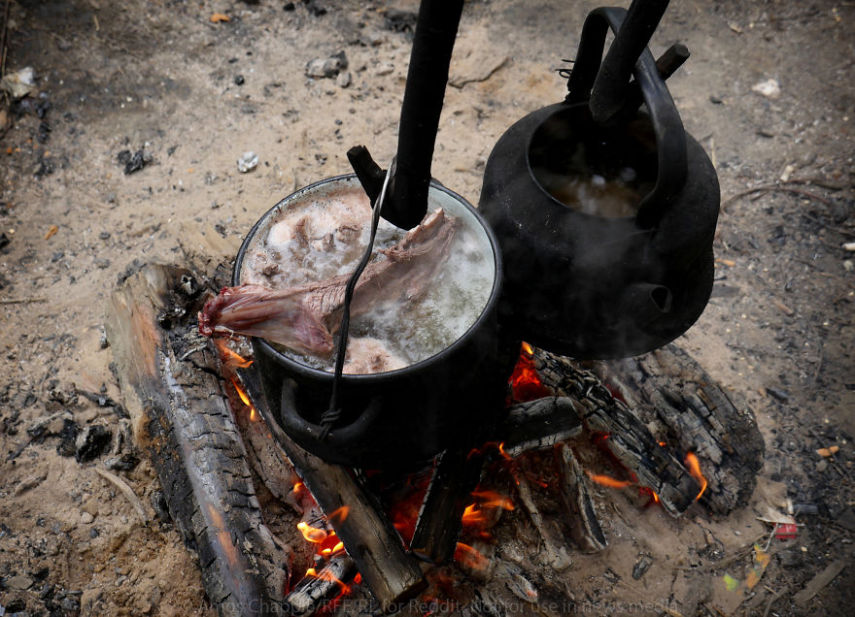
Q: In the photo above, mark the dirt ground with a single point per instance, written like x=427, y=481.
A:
x=193, y=94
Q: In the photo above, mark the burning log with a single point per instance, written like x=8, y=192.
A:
x=318, y=590
x=455, y=477
x=581, y=516
x=192, y=441
x=624, y=435
x=668, y=389
x=539, y=424
x=392, y=574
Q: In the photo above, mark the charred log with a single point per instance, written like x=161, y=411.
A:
x=318, y=590
x=539, y=424
x=578, y=505
x=669, y=390
x=455, y=477
x=184, y=424
x=629, y=440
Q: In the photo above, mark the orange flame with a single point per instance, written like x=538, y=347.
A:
x=694, y=466
x=230, y=358
x=326, y=575
x=473, y=516
x=525, y=382
x=492, y=499
x=338, y=515
x=605, y=480
x=470, y=557
x=244, y=397
x=312, y=534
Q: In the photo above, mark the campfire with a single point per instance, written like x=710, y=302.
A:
x=302, y=535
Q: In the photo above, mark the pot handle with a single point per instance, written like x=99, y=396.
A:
x=605, y=86
x=345, y=436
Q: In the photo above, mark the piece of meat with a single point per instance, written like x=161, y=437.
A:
x=304, y=318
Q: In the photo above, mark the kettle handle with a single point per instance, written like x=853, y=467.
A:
x=667, y=125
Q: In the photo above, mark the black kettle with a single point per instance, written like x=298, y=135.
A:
x=605, y=214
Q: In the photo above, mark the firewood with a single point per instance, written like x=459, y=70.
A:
x=455, y=477
x=316, y=591
x=539, y=424
x=629, y=440
x=392, y=574
x=669, y=389
x=183, y=423
x=576, y=497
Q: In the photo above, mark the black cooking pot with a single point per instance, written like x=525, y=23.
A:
x=402, y=416
x=584, y=284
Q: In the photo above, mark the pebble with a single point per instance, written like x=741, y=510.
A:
x=344, y=79
x=20, y=582
x=770, y=88
x=848, y=265
x=247, y=162
x=327, y=67
x=384, y=69
x=86, y=518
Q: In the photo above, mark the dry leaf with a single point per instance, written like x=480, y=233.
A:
x=826, y=452
x=218, y=17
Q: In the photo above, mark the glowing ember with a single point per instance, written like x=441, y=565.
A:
x=467, y=556
x=525, y=382
x=312, y=534
x=694, y=466
x=604, y=480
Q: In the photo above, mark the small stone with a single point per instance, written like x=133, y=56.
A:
x=384, y=69
x=327, y=67
x=289, y=6
x=344, y=79
x=769, y=88
x=21, y=582
x=848, y=265
x=247, y=162
x=239, y=80
x=86, y=518
x=104, y=235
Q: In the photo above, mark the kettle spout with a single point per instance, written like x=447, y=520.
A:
x=646, y=302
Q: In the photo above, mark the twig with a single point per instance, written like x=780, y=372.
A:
x=775, y=188
x=774, y=597
x=126, y=490
x=5, y=33
x=21, y=300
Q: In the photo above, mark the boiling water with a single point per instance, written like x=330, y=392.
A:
x=323, y=235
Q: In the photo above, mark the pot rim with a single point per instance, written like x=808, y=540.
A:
x=427, y=363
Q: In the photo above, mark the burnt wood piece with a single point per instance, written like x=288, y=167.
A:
x=315, y=592
x=304, y=318
x=266, y=457
x=455, y=476
x=629, y=440
x=539, y=424
x=555, y=554
x=391, y=573
x=182, y=421
x=669, y=390
x=578, y=505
